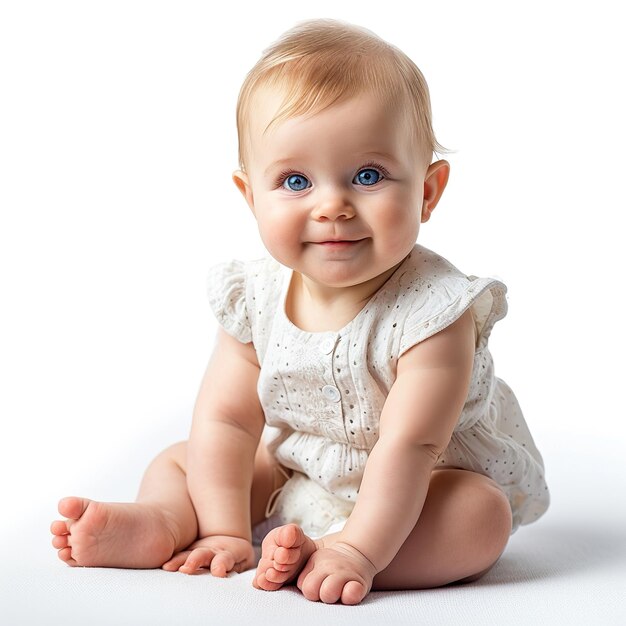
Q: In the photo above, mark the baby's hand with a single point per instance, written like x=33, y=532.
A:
x=339, y=572
x=219, y=553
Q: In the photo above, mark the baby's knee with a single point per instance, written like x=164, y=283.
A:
x=177, y=453
x=485, y=510
x=493, y=521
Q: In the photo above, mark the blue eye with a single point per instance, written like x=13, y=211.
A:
x=368, y=176
x=296, y=182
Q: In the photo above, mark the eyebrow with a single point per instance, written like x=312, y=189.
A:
x=382, y=155
x=369, y=153
x=274, y=164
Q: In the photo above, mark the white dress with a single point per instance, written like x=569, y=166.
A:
x=323, y=392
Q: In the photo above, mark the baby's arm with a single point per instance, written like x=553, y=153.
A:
x=416, y=424
x=227, y=426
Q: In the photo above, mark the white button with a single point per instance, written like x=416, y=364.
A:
x=331, y=393
x=326, y=347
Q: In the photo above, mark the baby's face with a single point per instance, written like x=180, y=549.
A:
x=337, y=196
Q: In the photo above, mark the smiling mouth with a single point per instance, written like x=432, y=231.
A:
x=339, y=242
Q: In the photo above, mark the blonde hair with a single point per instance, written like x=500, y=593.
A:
x=321, y=62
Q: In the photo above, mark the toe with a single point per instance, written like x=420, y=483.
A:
x=59, y=528
x=287, y=556
x=262, y=583
x=66, y=555
x=290, y=536
x=59, y=541
x=274, y=576
x=283, y=567
x=268, y=545
x=72, y=507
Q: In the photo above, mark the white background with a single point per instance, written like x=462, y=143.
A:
x=117, y=145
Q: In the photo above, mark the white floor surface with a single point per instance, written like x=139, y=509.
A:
x=567, y=568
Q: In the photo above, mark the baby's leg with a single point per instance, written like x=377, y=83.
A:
x=162, y=523
x=143, y=534
x=464, y=527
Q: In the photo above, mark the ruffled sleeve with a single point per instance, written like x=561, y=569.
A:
x=226, y=286
x=443, y=306
x=442, y=294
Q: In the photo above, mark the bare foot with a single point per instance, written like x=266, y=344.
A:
x=108, y=534
x=284, y=552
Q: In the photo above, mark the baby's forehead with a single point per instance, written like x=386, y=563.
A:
x=268, y=109
x=367, y=122
x=264, y=106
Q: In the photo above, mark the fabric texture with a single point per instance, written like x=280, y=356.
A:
x=323, y=392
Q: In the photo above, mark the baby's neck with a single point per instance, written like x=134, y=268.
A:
x=317, y=308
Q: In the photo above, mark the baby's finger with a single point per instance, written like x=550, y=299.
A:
x=175, y=562
x=331, y=588
x=310, y=585
x=306, y=570
x=353, y=592
x=197, y=559
x=222, y=563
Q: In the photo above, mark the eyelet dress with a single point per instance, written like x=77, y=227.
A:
x=323, y=392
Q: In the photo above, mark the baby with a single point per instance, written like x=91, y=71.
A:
x=349, y=417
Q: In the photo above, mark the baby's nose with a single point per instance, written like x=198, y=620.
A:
x=333, y=204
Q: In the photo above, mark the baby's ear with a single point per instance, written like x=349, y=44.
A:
x=242, y=181
x=434, y=183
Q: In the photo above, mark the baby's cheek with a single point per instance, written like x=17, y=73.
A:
x=400, y=225
x=279, y=237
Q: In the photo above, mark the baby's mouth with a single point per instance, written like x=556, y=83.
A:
x=338, y=242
